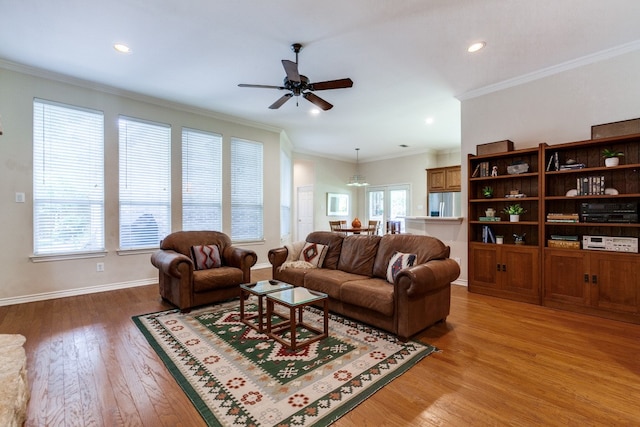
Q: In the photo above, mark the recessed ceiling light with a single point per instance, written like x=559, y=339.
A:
x=404, y=146
x=314, y=111
x=429, y=120
x=476, y=47
x=122, y=48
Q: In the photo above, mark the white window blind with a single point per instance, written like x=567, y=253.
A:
x=68, y=179
x=145, y=183
x=286, y=185
x=246, y=191
x=201, y=180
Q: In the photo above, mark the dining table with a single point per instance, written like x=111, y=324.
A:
x=354, y=230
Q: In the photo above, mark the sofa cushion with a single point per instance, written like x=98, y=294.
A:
x=328, y=281
x=397, y=262
x=358, y=254
x=206, y=256
x=426, y=248
x=313, y=253
x=372, y=293
x=334, y=243
x=216, y=278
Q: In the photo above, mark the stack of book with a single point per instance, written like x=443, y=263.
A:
x=559, y=241
x=482, y=169
x=572, y=166
x=563, y=217
x=489, y=218
x=590, y=186
x=487, y=235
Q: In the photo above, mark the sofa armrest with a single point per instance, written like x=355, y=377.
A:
x=239, y=258
x=172, y=263
x=278, y=256
x=426, y=278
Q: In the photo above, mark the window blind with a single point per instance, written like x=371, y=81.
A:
x=286, y=186
x=68, y=179
x=145, y=183
x=201, y=180
x=246, y=191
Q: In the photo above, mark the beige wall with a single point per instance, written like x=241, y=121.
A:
x=24, y=280
x=554, y=109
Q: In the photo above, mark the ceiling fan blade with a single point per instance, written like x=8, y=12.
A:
x=331, y=84
x=280, y=101
x=262, y=86
x=319, y=102
x=291, y=68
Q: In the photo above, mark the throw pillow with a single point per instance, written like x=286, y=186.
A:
x=206, y=256
x=397, y=262
x=313, y=253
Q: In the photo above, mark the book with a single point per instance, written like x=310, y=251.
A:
x=476, y=171
x=489, y=218
x=562, y=237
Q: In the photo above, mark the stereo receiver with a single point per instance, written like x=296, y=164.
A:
x=626, y=212
x=608, y=243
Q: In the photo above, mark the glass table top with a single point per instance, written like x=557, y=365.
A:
x=264, y=287
x=296, y=296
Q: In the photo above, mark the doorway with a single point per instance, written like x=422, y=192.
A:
x=385, y=203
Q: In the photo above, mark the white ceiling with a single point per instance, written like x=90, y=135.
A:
x=407, y=58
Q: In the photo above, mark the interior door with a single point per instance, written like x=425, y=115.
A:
x=305, y=212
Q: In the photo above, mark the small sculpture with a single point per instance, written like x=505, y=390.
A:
x=494, y=171
x=519, y=238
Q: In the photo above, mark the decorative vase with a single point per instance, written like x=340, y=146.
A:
x=611, y=161
x=514, y=218
x=356, y=223
x=490, y=212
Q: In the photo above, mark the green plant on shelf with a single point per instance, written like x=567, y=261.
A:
x=608, y=153
x=515, y=209
x=487, y=192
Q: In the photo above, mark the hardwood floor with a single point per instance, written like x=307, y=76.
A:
x=501, y=363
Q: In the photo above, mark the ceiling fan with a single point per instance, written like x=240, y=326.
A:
x=297, y=84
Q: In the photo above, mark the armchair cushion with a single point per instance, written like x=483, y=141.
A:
x=206, y=257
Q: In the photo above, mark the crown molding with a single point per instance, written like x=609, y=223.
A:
x=555, y=69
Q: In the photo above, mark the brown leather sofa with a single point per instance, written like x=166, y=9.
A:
x=354, y=276
x=184, y=286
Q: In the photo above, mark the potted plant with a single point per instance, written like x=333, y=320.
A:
x=487, y=192
x=611, y=157
x=514, y=212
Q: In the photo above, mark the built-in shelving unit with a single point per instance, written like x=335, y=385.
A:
x=564, y=204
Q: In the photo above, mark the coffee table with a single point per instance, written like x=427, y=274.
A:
x=259, y=289
x=295, y=300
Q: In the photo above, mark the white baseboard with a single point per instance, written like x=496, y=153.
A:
x=77, y=291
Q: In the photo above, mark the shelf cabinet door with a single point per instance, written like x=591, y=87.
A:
x=615, y=282
x=521, y=270
x=484, y=267
x=566, y=277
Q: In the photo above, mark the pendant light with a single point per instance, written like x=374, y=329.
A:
x=357, y=180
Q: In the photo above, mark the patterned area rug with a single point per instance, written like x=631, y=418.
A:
x=236, y=376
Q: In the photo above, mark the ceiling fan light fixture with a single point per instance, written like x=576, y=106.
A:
x=357, y=180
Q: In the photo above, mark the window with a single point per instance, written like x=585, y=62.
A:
x=201, y=180
x=246, y=191
x=285, y=196
x=145, y=183
x=68, y=179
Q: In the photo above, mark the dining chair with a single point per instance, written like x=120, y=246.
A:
x=373, y=227
x=393, y=227
x=337, y=226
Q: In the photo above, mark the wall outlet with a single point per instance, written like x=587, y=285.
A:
x=100, y=267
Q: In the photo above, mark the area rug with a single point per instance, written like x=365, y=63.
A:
x=236, y=376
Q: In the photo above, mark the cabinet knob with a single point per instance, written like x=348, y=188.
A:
x=594, y=279
x=504, y=267
x=586, y=278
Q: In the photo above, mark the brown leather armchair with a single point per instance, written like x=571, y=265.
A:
x=184, y=286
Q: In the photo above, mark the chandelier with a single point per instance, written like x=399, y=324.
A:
x=357, y=180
